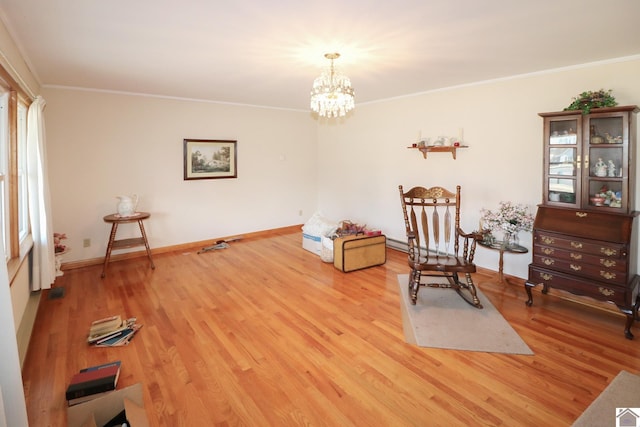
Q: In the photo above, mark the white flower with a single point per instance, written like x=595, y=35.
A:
x=509, y=218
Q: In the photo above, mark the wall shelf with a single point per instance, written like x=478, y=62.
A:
x=438, y=149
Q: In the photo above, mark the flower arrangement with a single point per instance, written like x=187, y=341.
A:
x=57, y=242
x=510, y=218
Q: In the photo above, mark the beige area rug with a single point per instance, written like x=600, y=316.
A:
x=622, y=393
x=442, y=319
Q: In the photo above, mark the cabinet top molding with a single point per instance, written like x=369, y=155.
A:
x=629, y=108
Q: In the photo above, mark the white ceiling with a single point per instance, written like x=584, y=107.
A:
x=267, y=52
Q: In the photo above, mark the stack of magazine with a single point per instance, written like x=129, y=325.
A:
x=112, y=331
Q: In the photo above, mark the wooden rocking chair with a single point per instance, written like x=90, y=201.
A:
x=432, y=221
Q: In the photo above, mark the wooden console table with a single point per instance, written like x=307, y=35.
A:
x=115, y=220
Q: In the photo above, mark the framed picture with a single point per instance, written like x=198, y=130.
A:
x=210, y=159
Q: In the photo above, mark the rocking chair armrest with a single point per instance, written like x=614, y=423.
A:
x=469, y=246
x=475, y=235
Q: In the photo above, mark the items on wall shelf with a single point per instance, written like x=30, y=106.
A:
x=438, y=149
x=442, y=144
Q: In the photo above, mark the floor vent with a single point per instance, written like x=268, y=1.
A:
x=56, y=293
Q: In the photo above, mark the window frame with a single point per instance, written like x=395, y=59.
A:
x=18, y=246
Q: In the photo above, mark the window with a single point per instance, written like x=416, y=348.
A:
x=15, y=230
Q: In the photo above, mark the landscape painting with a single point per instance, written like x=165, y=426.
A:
x=210, y=159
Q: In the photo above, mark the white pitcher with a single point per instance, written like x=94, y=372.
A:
x=127, y=205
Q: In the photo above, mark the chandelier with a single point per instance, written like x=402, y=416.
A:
x=332, y=94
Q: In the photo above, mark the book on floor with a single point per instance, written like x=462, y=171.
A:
x=105, y=325
x=93, y=381
x=114, y=336
x=117, y=363
x=119, y=338
x=87, y=398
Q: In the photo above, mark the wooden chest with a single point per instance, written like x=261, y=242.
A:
x=352, y=253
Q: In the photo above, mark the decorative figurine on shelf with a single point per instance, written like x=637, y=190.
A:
x=600, y=168
x=611, y=169
x=616, y=200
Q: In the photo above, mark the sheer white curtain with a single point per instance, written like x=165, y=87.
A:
x=44, y=270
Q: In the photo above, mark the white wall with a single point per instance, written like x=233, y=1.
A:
x=101, y=145
x=364, y=158
x=15, y=409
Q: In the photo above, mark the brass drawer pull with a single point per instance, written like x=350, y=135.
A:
x=608, y=275
x=546, y=276
x=581, y=214
x=548, y=261
x=575, y=256
x=606, y=291
x=607, y=262
x=608, y=251
x=576, y=245
x=575, y=267
x=547, y=240
x=548, y=251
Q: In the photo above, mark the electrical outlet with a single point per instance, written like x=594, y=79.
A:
x=86, y=243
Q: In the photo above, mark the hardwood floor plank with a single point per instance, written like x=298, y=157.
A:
x=264, y=333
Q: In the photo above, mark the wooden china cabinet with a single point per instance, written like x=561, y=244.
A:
x=584, y=238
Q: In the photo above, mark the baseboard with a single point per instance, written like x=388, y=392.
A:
x=181, y=247
x=398, y=245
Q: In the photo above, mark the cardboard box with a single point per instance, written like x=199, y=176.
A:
x=101, y=410
x=312, y=243
x=352, y=253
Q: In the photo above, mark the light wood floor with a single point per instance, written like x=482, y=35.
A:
x=265, y=334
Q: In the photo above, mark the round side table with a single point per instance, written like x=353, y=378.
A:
x=502, y=248
x=115, y=220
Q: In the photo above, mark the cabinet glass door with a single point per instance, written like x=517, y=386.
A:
x=562, y=174
x=604, y=177
x=562, y=180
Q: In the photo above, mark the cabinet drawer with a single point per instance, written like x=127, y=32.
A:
x=620, y=295
x=579, y=257
x=588, y=271
x=594, y=247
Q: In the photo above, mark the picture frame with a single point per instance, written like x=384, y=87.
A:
x=210, y=159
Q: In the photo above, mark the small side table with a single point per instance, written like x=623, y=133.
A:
x=115, y=220
x=499, y=246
